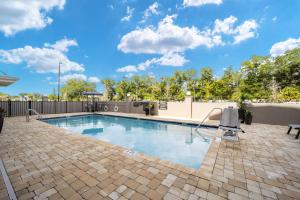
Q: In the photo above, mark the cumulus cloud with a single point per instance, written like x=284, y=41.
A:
x=239, y=33
x=168, y=37
x=67, y=77
x=171, y=40
x=128, y=68
x=83, y=77
x=129, y=13
x=19, y=15
x=93, y=79
x=62, y=45
x=151, y=10
x=170, y=59
x=195, y=3
x=281, y=47
x=245, y=31
x=44, y=59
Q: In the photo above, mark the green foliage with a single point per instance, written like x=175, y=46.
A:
x=261, y=77
x=3, y=96
x=74, y=88
x=109, y=86
x=289, y=94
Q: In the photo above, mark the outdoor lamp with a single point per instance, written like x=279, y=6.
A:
x=188, y=93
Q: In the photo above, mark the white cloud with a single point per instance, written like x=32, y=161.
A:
x=195, y=3
x=172, y=59
x=169, y=59
x=93, y=79
x=168, y=37
x=151, y=10
x=171, y=41
x=67, y=77
x=240, y=33
x=44, y=59
x=129, y=13
x=128, y=68
x=19, y=15
x=83, y=77
x=62, y=45
x=281, y=47
x=245, y=31
x=274, y=19
x=225, y=26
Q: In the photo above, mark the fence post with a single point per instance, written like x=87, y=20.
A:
x=9, y=108
x=82, y=106
x=29, y=106
x=55, y=107
x=42, y=105
x=66, y=106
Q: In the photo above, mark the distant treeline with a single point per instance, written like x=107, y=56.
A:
x=260, y=78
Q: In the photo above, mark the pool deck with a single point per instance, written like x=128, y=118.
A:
x=47, y=162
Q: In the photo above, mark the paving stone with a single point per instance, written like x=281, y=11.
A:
x=170, y=196
x=43, y=159
x=234, y=196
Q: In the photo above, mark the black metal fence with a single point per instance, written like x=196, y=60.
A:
x=19, y=108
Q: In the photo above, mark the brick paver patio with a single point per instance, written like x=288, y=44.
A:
x=46, y=162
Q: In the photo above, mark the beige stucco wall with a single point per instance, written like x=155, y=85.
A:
x=201, y=109
x=264, y=113
x=275, y=113
x=177, y=109
x=195, y=110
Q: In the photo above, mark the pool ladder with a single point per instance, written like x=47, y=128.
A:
x=28, y=111
x=207, y=116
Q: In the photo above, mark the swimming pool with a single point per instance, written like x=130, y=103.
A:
x=178, y=143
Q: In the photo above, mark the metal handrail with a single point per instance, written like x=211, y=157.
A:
x=35, y=112
x=208, y=115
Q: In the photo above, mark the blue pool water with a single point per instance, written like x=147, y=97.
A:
x=168, y=141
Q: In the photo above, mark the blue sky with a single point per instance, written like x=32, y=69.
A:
x=116, y=38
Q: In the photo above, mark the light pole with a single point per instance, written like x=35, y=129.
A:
x=58, y=82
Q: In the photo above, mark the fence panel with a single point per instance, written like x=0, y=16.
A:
x=19, y=108
x=74, y=106
x=49, y=107
x=37, y=105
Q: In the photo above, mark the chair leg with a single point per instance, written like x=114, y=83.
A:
x=297, y=136
x=290, y=128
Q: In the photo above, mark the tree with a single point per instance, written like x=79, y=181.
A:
x=287, y=69
x=260, y=77
x=109, y=87
x=206, y=82
x=122, y=88
x=256, y=76
x=74, y=88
